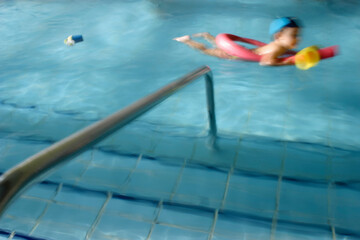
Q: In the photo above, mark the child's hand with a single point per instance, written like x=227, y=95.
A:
x=268, y=60
x=264, y=64
x=289, y=61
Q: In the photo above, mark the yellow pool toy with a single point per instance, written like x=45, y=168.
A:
x=307, y=58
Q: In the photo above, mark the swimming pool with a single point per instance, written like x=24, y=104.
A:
x=289, y=156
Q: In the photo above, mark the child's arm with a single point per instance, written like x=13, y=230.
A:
x=272, y=54
x=271, y=59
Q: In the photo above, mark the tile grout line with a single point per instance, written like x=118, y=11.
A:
x=278, y=191
x=329, y=177
x=281, y=173
x=330, y=187
x=333, y=232
x=170, y=225
x=98, y=216
x=226, y=188
x=330, y=165
x=212, y=230
x=160, y=205
x=12, y=235
x=132, y=170
x=178, y=180
x=77, y=179
x=45, y=209
x=186, y=228
x=231, y=171
x=193, y=151
x=59, y=203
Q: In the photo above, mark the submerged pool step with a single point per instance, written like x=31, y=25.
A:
x=59, y=211
x=253, y=155
x=233, y=186
x=8, y=235
x=97, y=176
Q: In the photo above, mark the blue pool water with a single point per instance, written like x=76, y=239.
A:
x=288, y=159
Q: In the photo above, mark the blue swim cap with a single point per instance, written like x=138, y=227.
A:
x=280, y=23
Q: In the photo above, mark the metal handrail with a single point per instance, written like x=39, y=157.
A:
x=23, y=175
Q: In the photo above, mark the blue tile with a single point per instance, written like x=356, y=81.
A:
x=114, y=160
x=304, y=134
x=131, y=142
x=104, y=176
x=48, y=230
x=342, y=134
x=301, y=232
x=10, y=155
x=123, y=228
x=186, y=217
x=273, y=126
x=18, y=224
x=345, y=208
x=153, y=179
x=346, y=167
x=234, y=227
x=165, y=232
x=197, y=174
x=151, y=184
x=85, y=157
x=219, y=237
x=27, y=208
x=252, y=195
x=21, y=237
x=169, y=146
x=199, y=194
x=80, y=197
x=201, y=187
x=223, y=155
x=346, y=237
x=44, y=191
x=304, y=202
x=69, y=171
x=132, y=208
x=302, y=162
x=260, y=156
x=158, y=166
x=63, y=214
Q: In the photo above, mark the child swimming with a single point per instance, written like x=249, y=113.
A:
x=285, y=32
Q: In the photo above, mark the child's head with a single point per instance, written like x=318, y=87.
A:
x=285, y=31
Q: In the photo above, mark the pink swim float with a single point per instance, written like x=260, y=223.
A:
x=227, y=43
